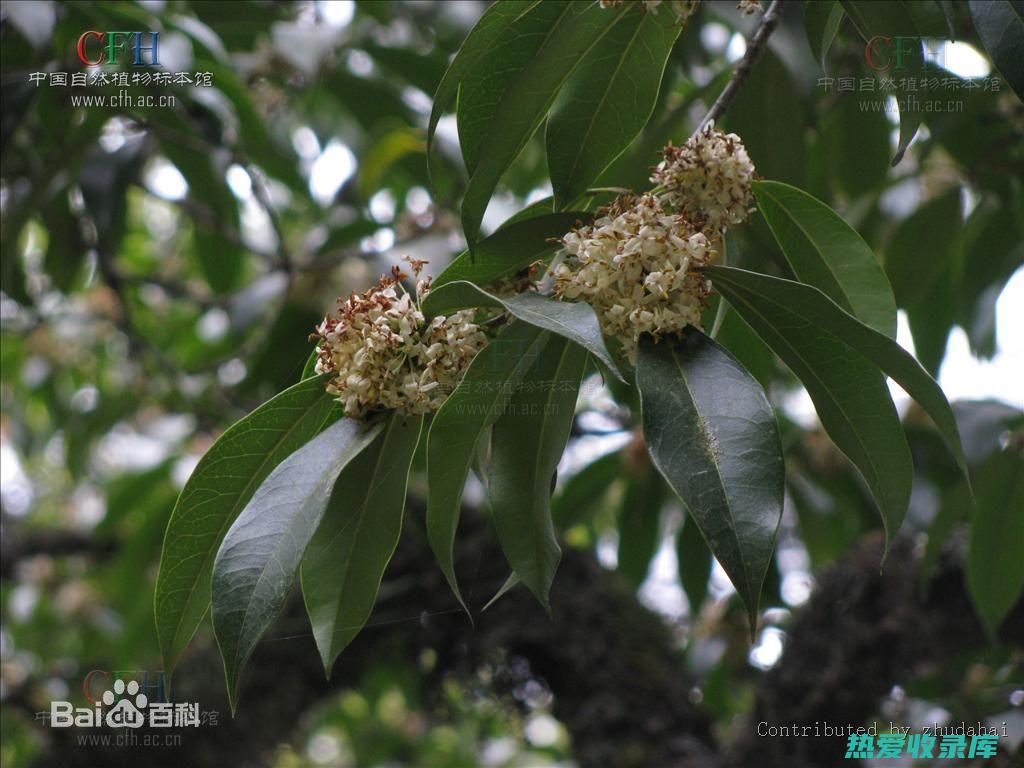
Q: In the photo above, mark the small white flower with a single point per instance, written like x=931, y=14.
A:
x=749, y=7
x=381, y=353
x=708, y=179
x=635, y=265
x=682, y=9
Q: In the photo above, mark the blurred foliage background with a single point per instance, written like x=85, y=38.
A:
x=163, y=267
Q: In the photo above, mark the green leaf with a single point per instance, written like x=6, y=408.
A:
x=955, y=505
x=828, y=518
x=512, y=248
x=891, y=20
x=276, y=157
x=946, y=6
x=747, y=347
x=995, y=568
x=260, y=555
x=1000, y=25
x=219, y=261
x=713, y=436
x=992, y=250
x=309, y=369
x=526, y=445
x=459, y=425
x=606, y=102
x=584, y=489
x=423, y=71
x=346, y=558
x=923, y=262
x=812, y=323
x=853, y=146
x=695, y=563
x=510, y=583
x=920, y=249
x=821, y=22
x=477, y=46
x=639, y=525
x=768, y=113
x=504, y=99
x=220, y=486
x=826, y=252
x=574, y=321
x=65, y=248
x=848, y=392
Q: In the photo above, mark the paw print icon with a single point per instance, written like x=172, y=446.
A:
x=125, y=713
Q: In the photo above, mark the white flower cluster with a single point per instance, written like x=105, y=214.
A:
x=749, y=7
x=682, y=9
x=635, y=265
x=708, y=179
x=382, y=354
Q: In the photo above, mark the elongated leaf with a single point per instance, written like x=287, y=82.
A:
x=220, y=486
x=992, y=246
x=477, y=45
x=503, y=101
x=890, y=21
x=606, y=102
x=770, y=301
x=309, y=368
x=584, y=489
x=853, y=143
x=946, y=6
x=482, y=88
x=510, y=249
x=821, y=21
x=1000, y=25
x=346, y=558
x=459, y=425
x=713, y=436
x=510, y=583
x=848, y=392
x=826, y=252
x=527, y=443
x=695, y=563
x=260, y=555
x=920, y=250
x=768, y=113
x=955, y=506
x=923, y=261
x=574, y=321
x=639, y=526
x=995, y=567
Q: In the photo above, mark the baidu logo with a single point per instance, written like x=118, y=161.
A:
x=124, y=705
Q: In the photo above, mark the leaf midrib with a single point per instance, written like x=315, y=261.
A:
x=715, y=462
x=240, y=656
x=813, y=374
x=229, y=518
x=515, y=82
x=828, y=265
x=358, y=518
x=342, y=458
x=483, y=424
x=434, y=119
x=604, y=96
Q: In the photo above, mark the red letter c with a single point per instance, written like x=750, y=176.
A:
x=81, y=49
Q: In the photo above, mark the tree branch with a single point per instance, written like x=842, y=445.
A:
x=755, y=48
